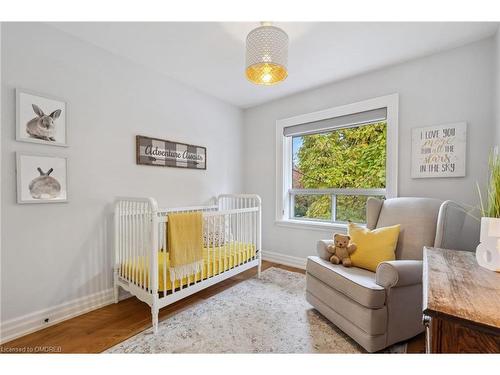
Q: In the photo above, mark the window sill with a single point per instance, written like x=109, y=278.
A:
x=311, y=225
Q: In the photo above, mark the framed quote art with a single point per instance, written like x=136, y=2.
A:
x=163, y=153
x=439, y=151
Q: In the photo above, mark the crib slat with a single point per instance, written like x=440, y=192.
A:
x=135, y=243
x=221, y=233
x=250, y=233
x=205, y=239
x=125, y=234
x=165, y=254
x=226, y=239
x=231, y=239
x=235, y=238
x=234, y=250
x=256, y=226
x=242, y=228
x=130, y=241
x=255, y=233
x=147, y=245
x=237, y=225
x=172, y=282
x=188, y=278
x=146, y=264
x=124, y=239
x=248, y=229
x=242, y=246
x=247, y=233
x=238, y=231
x=138, y=244
x=212, y=220
x=242, y=235
x=180, y=280
x=146, y=235
x=127, y=239
x=252, y=229
x=142, y=245
x=132, y=238
x=117, y=242
x=120, y=238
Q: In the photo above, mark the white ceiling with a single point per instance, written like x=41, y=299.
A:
x=210, y=56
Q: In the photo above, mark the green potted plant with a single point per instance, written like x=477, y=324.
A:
x=488, y=251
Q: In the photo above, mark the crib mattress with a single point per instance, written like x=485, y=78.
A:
x=215, y=260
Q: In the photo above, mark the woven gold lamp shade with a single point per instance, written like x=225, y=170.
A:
x=267, y=55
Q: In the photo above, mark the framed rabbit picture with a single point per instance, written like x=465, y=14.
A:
x=41, y=178
x=40, y=119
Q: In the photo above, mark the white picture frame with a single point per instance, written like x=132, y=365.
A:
x=439, y=151
x=48, y=126
x=41, y=178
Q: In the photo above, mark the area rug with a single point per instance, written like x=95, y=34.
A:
x=266, y=315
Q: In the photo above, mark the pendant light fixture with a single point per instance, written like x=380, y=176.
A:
x=266, y=55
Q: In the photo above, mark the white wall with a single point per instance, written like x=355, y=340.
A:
x=452, y=86
x=54, y=253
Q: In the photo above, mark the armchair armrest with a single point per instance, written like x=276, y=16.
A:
x=398, y=273
x=321, y=249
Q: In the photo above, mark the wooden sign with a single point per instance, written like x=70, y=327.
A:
x=439, y=151
x=163, y=153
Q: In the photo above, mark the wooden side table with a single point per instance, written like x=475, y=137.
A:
x=461, y=303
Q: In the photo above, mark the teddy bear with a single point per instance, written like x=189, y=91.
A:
x=341, y=250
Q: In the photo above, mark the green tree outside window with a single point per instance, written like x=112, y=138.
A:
x=345, y=158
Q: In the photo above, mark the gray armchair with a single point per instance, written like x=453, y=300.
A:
x=378, y=309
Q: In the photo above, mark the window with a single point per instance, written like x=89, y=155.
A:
x=330, y=162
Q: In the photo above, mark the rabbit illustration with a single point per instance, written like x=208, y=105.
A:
x=44, y=186
x=42, y=126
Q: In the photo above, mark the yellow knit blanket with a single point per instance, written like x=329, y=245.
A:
x=185, y=243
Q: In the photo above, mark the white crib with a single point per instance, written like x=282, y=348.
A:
x=141, y=243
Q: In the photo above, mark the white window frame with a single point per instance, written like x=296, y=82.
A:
x=284, y=156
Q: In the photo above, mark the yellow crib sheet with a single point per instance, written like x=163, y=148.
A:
x=216, y=260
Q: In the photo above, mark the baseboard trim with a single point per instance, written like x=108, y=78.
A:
x=284, y=259
x=17, y=327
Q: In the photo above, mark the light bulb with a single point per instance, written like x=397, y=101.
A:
x=267, y=77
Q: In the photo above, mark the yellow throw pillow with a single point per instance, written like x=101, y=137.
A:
x=373, y=246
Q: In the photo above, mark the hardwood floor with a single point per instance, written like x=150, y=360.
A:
x=103, y=328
